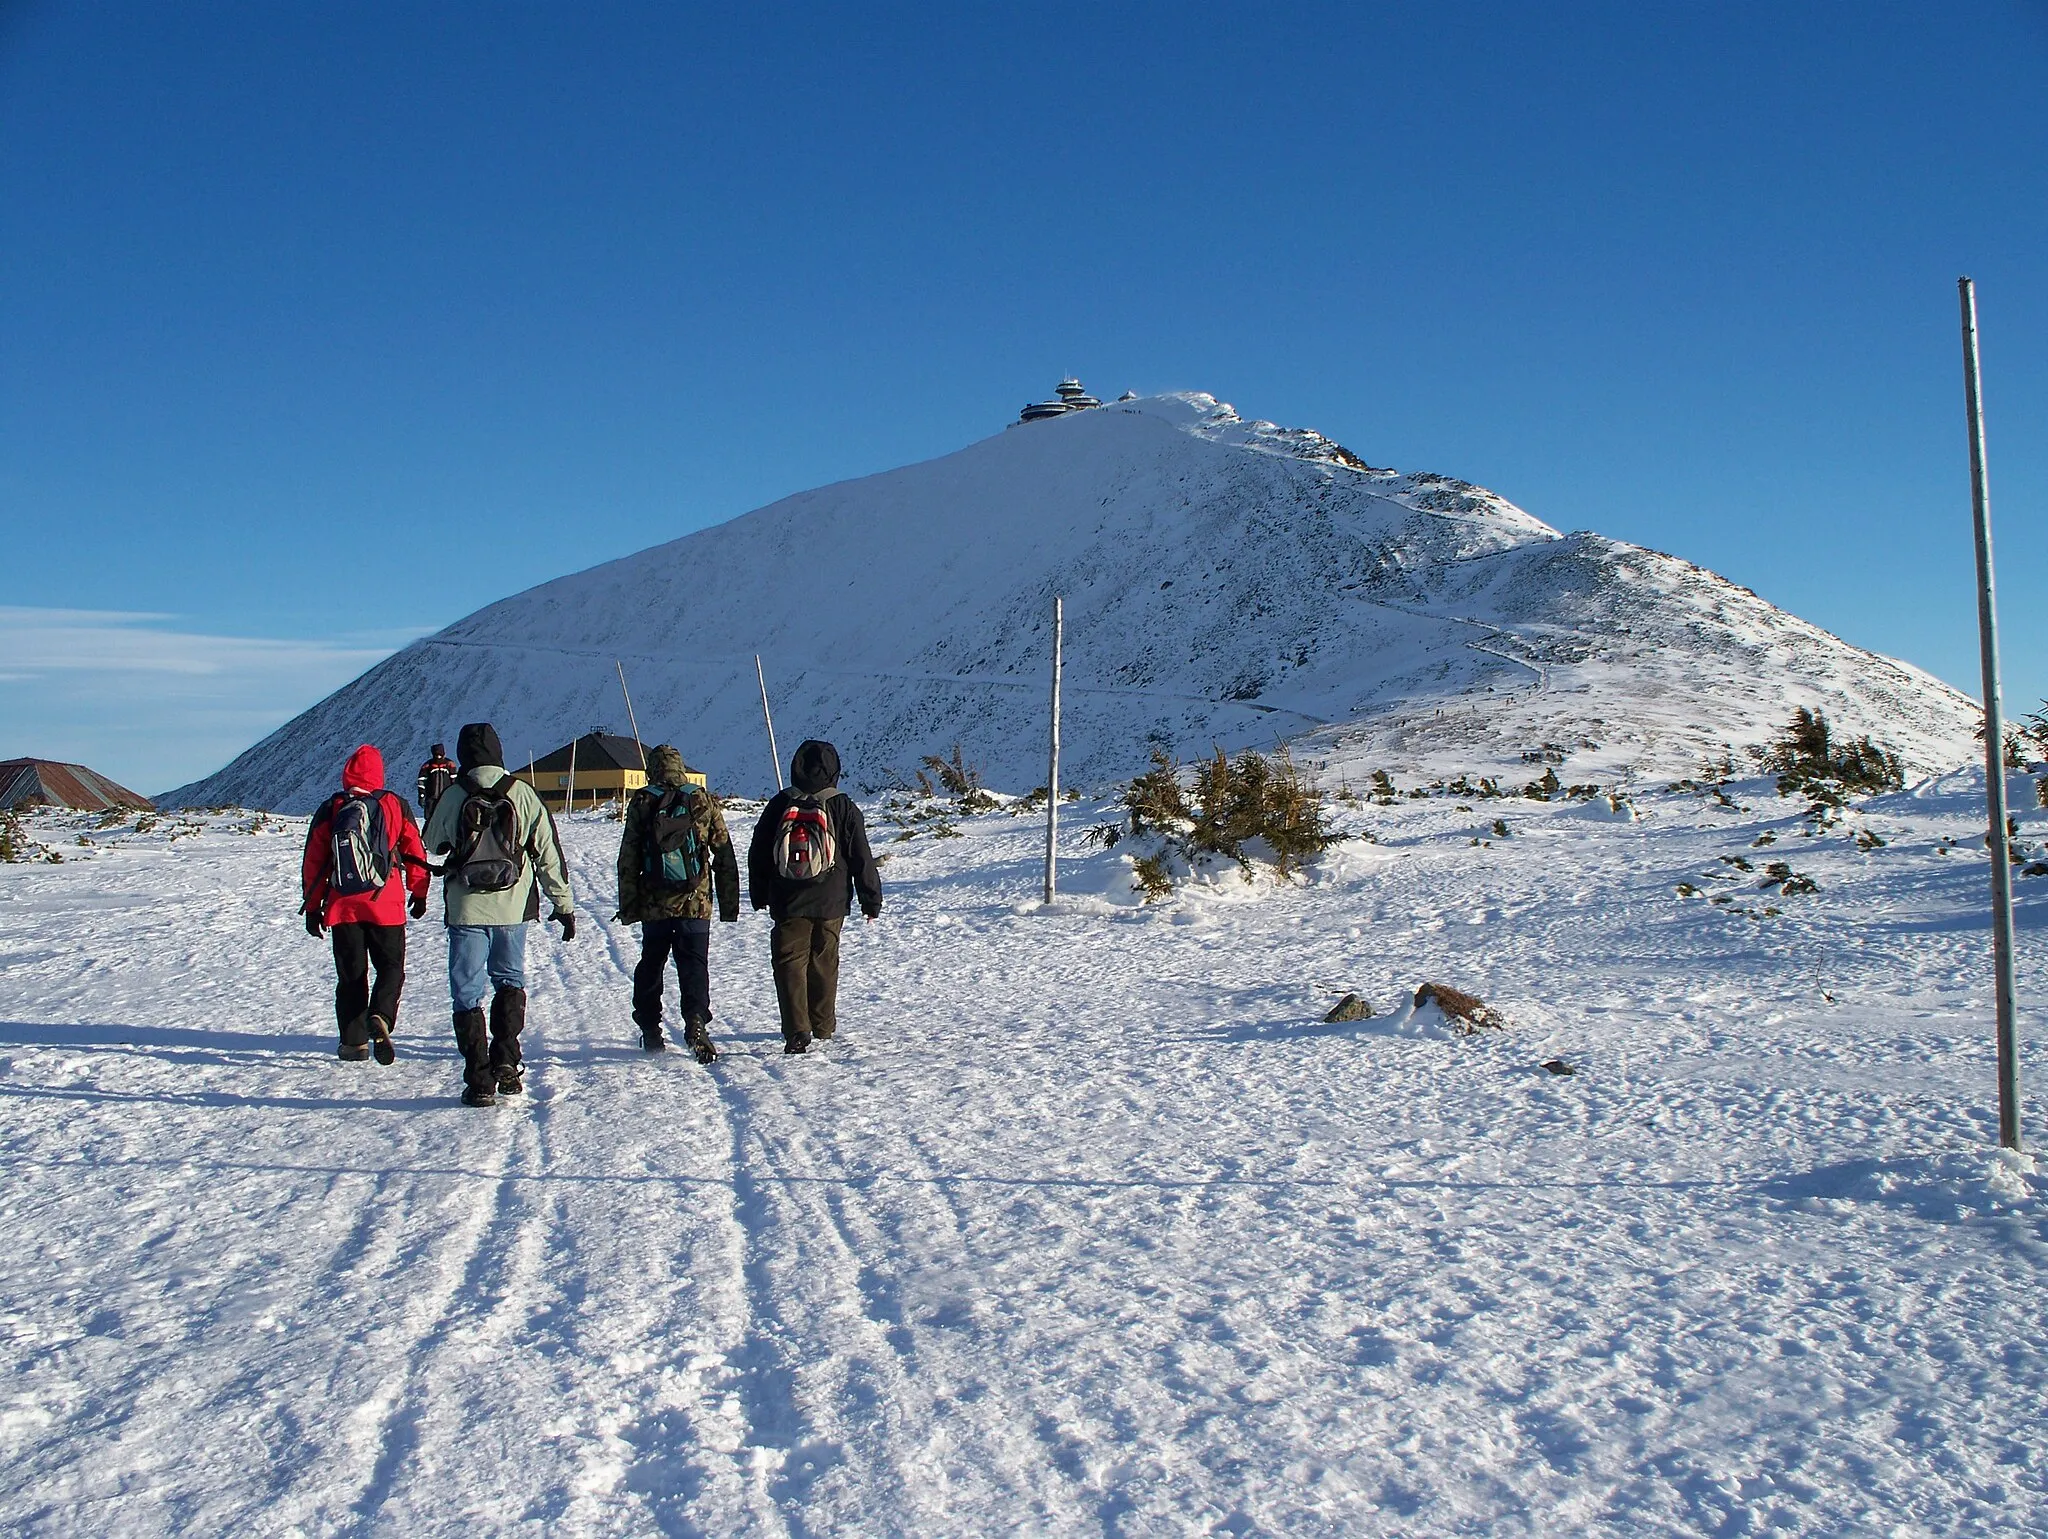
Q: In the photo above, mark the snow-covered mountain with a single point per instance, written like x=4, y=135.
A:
x=1226, y=582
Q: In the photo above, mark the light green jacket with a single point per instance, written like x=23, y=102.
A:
x=517, y=903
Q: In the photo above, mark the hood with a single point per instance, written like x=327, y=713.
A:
x=477, y=745
x=364, y=770
x=814, y=767
x=665, y=765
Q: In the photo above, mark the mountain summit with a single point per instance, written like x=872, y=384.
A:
x=1227, y=582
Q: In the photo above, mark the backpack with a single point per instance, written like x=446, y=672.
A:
x=671, y=849
x=488, y=854
x=805, y=848
x=360, y=835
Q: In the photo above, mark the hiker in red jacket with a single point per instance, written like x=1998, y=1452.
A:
x=363, y=859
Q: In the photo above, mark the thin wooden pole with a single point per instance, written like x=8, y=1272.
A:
x=630, y=716
x=1052, y=774
x=1994, y=739
x=774, y=753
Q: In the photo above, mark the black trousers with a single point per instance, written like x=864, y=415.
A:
x=689, y=942
x=805, y=956
x=356, y=947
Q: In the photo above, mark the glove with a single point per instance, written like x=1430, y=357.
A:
x=729, y=916
x=418, y=907
x=314, y=927
x=566, y=921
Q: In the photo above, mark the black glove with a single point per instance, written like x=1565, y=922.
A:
x=729, y=916
x=314, y=927
x=418, y=907
x=566, y=921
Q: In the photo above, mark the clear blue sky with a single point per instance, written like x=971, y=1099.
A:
x=326, y=324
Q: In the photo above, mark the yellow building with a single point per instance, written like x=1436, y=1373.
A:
x=607, y=769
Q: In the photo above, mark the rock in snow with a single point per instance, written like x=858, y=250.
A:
x=1226, y=582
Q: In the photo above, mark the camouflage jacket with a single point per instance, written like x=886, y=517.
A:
x=638, y=901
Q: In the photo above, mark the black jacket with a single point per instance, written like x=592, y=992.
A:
x=815, y=769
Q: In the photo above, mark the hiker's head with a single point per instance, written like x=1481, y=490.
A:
x=665, y=765
x=814, y=767
x=364, y=770
x=438, y=753
x=477, y=745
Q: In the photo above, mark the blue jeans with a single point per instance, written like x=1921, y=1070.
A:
x=482, y=957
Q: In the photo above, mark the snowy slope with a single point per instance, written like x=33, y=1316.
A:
x=1226, y=582
x=1086, y=1226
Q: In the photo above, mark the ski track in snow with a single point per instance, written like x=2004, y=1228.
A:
x=1087, y=1225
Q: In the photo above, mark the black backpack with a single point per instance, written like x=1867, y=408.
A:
x=489, y=856
x=672, y=856
x=360, y=836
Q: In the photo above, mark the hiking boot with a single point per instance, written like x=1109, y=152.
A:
x=796, y=1045
x=380, y=1040
x=511, y=1079
x=697, y=1038
x=352, y=1052
x=478, y=1095
x=822, y=1034
x=652, y=1040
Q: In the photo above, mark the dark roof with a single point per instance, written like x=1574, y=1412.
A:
x=594, y=751
x=24, y=782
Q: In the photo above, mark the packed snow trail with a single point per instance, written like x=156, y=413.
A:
x=1086, y=1225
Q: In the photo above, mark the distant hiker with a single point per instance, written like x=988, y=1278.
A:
x=808, y=861
x=675, y=856
x=502, y=854
x=363, y=856
x=436, y=776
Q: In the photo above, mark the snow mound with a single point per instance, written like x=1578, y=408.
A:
x=1940, y=1187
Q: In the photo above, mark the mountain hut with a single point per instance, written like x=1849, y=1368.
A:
x=48, y=783
x=607, y=767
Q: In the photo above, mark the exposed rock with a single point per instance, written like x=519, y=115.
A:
x=1350, y=1008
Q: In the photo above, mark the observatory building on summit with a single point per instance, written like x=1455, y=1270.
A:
x=1071, y=397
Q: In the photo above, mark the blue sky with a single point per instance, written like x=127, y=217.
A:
x=321, y=326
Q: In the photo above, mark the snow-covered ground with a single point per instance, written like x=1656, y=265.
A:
x=1086, y=1226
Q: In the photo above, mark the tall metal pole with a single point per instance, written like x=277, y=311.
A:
x=569, y=796
x=630, y=716
x=1994, y=740
x=773, y=752
x=1052, y=774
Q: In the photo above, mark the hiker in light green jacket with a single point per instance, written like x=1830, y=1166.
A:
x=502, y=854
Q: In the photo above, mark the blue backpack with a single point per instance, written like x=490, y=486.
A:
x=672, y=857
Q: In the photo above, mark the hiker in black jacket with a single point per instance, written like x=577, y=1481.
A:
x=808, y=862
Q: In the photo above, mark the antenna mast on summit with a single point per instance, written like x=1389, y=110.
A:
x=1997, y=842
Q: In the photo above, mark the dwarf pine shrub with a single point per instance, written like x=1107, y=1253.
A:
x=1230, y=805
x=1809, y=761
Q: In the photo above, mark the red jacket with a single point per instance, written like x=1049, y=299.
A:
x=365, y=772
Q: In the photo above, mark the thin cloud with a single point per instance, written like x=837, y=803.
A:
x=40, y=641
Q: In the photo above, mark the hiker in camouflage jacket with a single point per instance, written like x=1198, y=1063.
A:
x=671, y=922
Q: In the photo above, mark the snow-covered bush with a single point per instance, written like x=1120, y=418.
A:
x=1224, y=808
x=1809, y=761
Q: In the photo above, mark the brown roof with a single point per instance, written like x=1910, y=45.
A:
x=594, y=751
x=29, y=782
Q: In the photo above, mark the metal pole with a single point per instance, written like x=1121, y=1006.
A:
x=630, y=716
x=773, y=752
x=1994, y=740
x=569, y=796
x=1052, y=774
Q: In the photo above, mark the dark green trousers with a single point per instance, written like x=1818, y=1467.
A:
x=805, y=956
